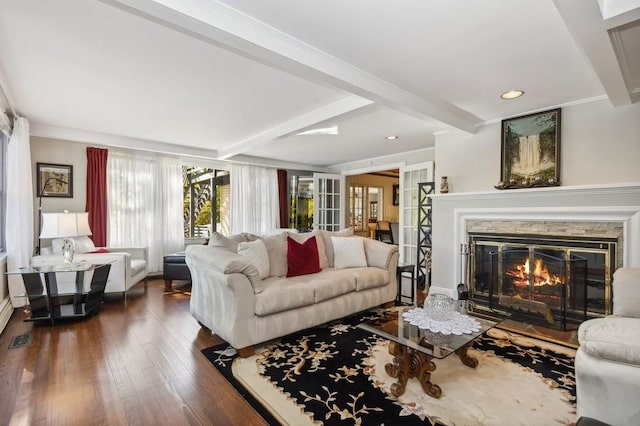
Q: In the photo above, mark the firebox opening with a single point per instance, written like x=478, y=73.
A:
x=555, y=281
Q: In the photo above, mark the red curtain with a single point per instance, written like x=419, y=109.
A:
x=97, y=194
x=283, y=198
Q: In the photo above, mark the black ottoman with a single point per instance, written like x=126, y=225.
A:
x=175, y=268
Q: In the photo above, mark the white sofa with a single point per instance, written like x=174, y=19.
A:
x=229, y=297
x=129, y=265
x=608, y=360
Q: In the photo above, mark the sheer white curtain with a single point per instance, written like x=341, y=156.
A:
x=254, y=199
x=145, y=204
x=19, y=210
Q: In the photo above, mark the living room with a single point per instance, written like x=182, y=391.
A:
x=448, y=119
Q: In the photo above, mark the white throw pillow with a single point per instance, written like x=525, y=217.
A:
x=228, y=243
x=348, y=252
x=328, y=246
x=256, y=253
x=277, y=248
x=82, y=245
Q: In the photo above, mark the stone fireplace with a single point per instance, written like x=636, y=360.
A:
x=561, y=231
x=556, y=280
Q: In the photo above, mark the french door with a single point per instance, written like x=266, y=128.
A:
x=329, y=206
x=410, y=176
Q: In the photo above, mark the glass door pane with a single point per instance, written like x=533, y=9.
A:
x=410, y=176
x=329, y=212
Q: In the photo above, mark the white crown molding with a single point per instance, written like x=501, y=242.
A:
x=192, y=155
x=105, y=139
x=383, y=162
x=221, y=25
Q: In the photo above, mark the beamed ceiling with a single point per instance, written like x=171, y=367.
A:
x=239, y=80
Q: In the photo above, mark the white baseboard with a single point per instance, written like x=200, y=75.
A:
x=6, y=309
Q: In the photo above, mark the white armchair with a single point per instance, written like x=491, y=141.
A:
x=129, y=265
x=608, y=360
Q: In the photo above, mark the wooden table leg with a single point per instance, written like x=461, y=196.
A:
x=399, y=369
x=425, y=367
x=408, y=363
x=167, y=285
x=467, y=359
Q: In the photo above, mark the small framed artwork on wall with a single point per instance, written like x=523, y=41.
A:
x=54, y=180
x=396, y=195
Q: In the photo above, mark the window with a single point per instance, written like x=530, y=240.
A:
x=301, y=203
x=204, y=188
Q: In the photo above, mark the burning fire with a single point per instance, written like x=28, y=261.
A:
x=541, y=275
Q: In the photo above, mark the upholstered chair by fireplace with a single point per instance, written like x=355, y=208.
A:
x=608, y=359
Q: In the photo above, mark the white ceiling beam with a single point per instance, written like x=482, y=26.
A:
x=590, y=32
x=106, y=139
x=326, y=112
x=221, y=25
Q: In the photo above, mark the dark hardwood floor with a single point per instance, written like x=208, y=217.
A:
x=133, y=364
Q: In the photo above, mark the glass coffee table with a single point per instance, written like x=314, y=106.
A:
x=414, y=349
x=61, y=291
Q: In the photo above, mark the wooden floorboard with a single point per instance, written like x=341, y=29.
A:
x=135, y=363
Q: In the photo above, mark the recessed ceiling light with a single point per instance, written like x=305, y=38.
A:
x=392, y=137
x=512, y=94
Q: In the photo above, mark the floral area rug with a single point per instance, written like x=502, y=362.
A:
x=334, y=375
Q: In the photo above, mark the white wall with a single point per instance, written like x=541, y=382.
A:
x=600, y=147
x=60, y=152
x=599, y=144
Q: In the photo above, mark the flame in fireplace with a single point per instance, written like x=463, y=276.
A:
x=541, y=275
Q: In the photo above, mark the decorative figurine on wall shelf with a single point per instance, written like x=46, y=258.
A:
x=444, y=185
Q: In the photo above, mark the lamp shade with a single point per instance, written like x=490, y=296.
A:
x=62, y=225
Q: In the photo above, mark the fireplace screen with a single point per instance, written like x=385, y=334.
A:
x=554, y=281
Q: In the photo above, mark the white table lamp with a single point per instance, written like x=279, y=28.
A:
x=65, y=225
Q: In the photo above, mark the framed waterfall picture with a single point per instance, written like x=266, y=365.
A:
x=530, y=150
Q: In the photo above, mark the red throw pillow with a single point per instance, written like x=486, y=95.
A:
x=302, y=258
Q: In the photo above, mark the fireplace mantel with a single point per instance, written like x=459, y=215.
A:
x=608, y=203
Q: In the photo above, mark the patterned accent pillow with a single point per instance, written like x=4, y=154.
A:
x=302, y=258
x=348, y=252
x=256, y=253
